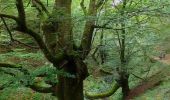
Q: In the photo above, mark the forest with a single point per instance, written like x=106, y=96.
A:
x=84, y=50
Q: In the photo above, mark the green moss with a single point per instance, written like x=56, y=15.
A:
x=104, y=94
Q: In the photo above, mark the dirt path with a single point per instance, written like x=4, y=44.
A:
x=152, y=81
x=165, y=60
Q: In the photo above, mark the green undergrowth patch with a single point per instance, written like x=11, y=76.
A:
x=22, y=93
x=23, y=55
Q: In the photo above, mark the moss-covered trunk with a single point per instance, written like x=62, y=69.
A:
x=59, y=40
x=71, y=87
x=58, y=46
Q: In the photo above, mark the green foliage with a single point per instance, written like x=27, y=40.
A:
x=147, y=26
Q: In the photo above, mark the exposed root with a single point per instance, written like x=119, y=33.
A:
x=105, y=94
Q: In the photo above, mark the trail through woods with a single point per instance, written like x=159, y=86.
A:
x=152, y=81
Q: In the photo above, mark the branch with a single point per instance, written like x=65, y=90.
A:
x=21, y=15
x=22, y=27
x=42, y=6
x=88, y=30
x=11, y=37
x=9, y=16
x=7, y=28
x=54, y=59
x=137, y=76
x=47, y=3
x=28, y=3
x=24, y=44
x=100, y=3
x=83, y=7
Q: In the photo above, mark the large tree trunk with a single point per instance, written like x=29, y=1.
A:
x=59, y=39
x=71, y=88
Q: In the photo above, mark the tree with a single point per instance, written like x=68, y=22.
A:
x=131, y=20
x=58, y=46
x=130, y=23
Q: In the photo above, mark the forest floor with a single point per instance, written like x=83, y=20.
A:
x=165, y=60
x=35, y=59
x=30, y=59
x=152, y=81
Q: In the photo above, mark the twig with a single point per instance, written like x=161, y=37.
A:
x=10, y=34
x=83, y=7
x=137, y=76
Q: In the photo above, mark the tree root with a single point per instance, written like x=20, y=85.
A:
x=105, y=94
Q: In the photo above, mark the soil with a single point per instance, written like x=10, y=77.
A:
x=152, y=81
x=165, y=60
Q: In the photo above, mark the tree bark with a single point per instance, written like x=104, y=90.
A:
x=125, y=86
x=58, y=37
x=71, y=88
x=124, y=75
x=89, y=29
